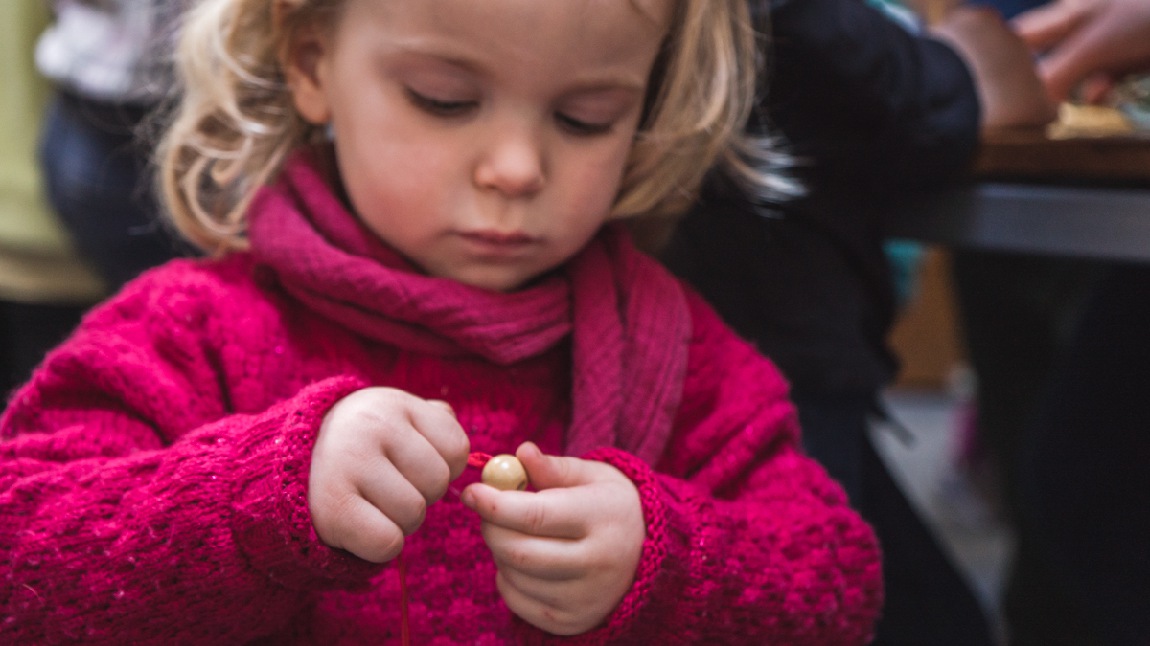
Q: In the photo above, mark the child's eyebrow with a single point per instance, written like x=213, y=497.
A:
x=609, y=83
x=442, y=55
x=609, y=80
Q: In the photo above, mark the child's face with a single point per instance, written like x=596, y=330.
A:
x=483, y=139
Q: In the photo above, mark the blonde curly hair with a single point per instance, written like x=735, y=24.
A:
x=235, y=124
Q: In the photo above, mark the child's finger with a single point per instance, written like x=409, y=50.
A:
x=547, y=559
x=553, y=471
x=524, y=605
x=442, y=404
x=421, y=463
x=436, y=421
x=541, y=591
x=556, y=513
x=395, y=496
x=362, y=529
x=547, y=608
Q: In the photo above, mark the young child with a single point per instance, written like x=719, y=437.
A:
x=414, y=205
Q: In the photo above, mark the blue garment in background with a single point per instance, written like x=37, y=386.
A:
x=1010, y=8
x=98, y=179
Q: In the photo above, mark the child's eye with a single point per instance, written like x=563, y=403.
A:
x=580, y=127
x=440, y=107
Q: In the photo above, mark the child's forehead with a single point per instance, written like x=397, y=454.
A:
x=656, y=13
x=526, y=28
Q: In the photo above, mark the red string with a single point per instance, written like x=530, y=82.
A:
x=477, y=460
x=405, y=627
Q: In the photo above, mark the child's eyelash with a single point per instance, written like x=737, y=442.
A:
x=453, y=108
x=583, y=128
x=440, y=107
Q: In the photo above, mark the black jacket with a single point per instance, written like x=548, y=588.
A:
x=870, y=111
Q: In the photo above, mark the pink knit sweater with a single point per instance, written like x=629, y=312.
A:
x=153, y=480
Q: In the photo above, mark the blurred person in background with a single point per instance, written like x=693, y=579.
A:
x=44, y=286
x=77, y=137
x=870, y=111
x=1084, y=472
x=110, y=64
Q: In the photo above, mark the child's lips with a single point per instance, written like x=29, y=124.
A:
x=497, y=242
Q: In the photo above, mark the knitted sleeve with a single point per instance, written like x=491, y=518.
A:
x=136, y=509
x=748, y=541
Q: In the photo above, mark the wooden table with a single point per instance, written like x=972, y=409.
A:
x=1032, y=194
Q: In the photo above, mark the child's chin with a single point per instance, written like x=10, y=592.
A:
x=504, y=282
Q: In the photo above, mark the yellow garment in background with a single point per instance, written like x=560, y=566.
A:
x=37, y=263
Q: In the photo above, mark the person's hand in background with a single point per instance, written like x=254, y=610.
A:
x=1087, y=43
x=1009, y=88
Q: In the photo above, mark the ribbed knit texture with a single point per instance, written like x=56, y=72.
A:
x=153, y=480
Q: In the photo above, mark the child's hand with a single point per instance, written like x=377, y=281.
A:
x=566, y=554
x=382, y=456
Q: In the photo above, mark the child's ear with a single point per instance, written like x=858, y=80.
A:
x=302, y=59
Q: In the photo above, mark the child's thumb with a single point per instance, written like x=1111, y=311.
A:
x=552, y=471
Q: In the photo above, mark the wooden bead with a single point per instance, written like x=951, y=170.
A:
x=505, y=472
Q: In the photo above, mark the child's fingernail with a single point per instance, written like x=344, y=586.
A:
x=467, y=498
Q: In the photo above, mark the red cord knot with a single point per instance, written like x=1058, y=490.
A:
x=478, y=459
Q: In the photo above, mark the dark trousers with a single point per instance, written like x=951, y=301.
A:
x=1084, y=478
x=96, y=172
x=1017, y=314
x=927, y=601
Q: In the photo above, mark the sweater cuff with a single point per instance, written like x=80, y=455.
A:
x=271, y=521
x=659, y=566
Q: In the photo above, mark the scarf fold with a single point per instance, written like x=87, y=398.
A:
x=626, y=316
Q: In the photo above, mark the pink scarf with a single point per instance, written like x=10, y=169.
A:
x=626, y=315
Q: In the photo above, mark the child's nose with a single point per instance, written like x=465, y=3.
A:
x=512, y=164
